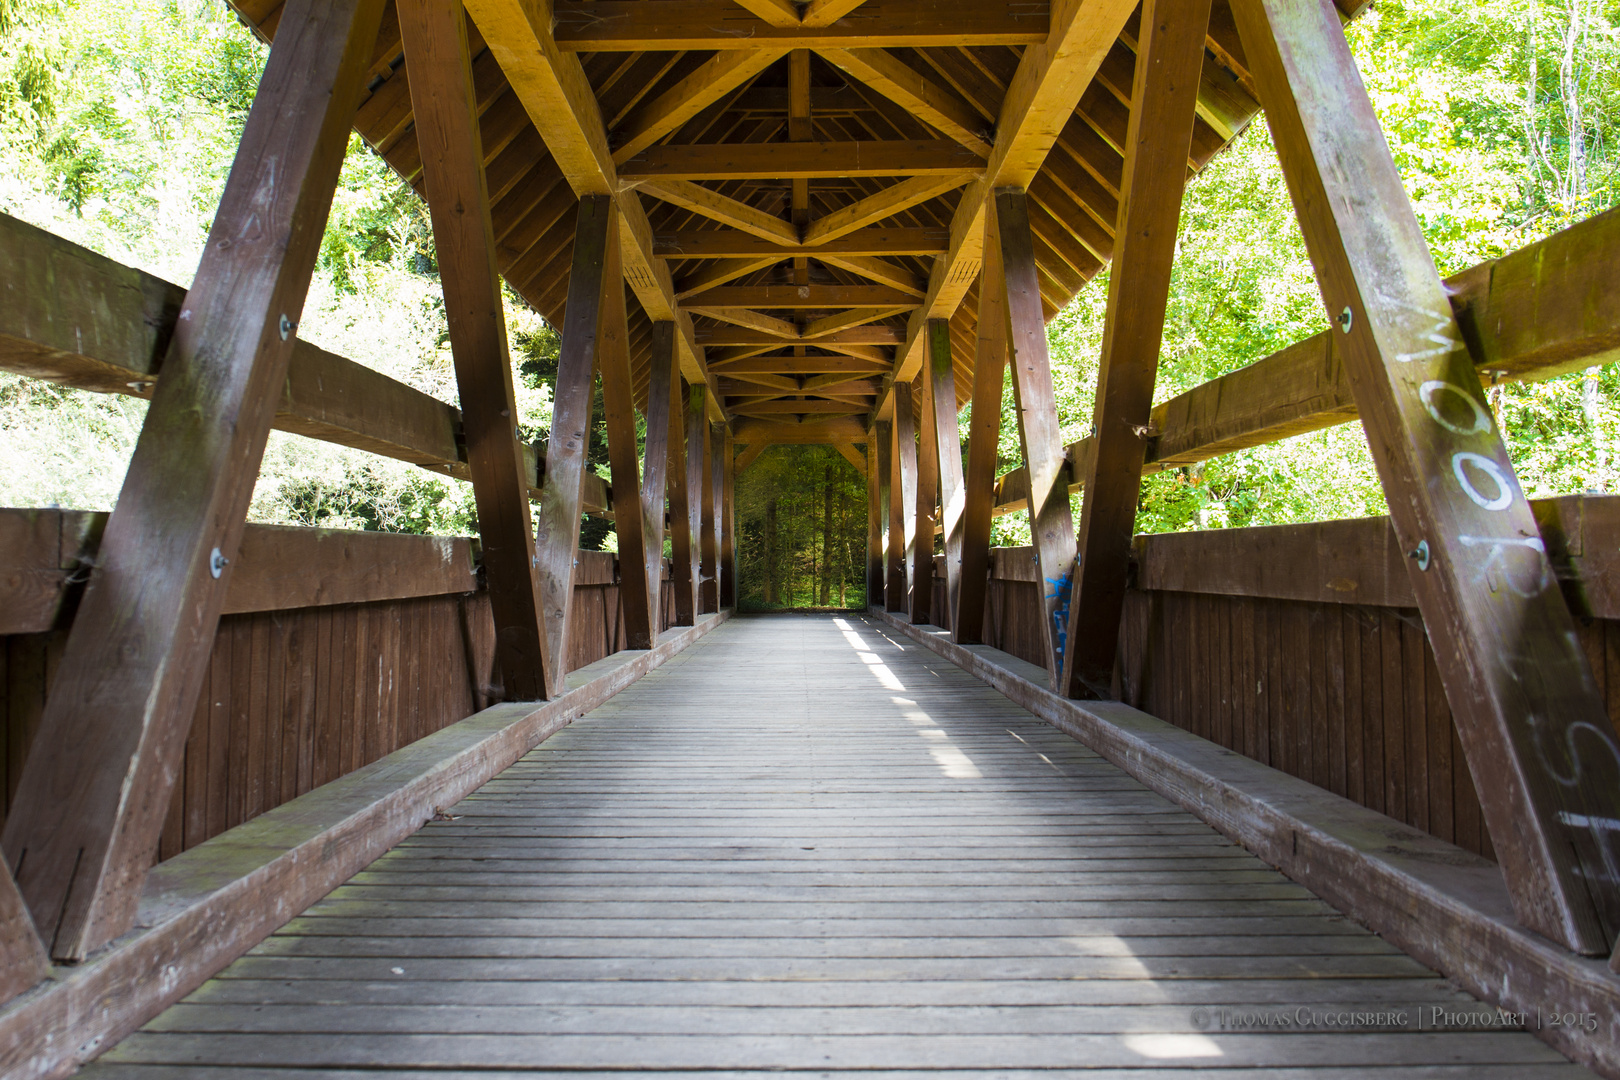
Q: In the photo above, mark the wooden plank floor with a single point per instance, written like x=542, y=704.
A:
x=801, y=846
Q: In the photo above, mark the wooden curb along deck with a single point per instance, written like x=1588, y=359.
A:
x=205, y=907
x=1444, y=906
x=852, y=857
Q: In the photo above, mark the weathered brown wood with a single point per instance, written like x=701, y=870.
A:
x=660, y=469
x=636, y=594
x=1542, y=752
x=1051, y=521
x=714, y=519
x=874, y=518
x=1169, y=62
x=22, y=955
x=832, y=430
x=883, y=481
x=736, y=244
x=902, y=502
x=728, y=524
x=947, y=442
x=557, y=525
x=700, y=488
x=984, y=433
x=82, y=835
x=925, y=516
x=446, y=117
x=799, y=161
x=628, y=26
x=684, y=549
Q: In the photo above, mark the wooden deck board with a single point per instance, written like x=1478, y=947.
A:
x=799, y=845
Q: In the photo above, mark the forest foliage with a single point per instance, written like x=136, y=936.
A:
x=118, y=121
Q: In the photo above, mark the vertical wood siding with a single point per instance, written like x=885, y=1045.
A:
x=293, y=699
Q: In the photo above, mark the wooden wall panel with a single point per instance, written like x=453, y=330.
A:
x=296, y=698
x=1346, y=696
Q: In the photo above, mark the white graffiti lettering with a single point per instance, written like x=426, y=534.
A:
x=1504, y=489
x=1481, y=419
x=1496, y=560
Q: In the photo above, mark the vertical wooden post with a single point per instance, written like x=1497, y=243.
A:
x=927, y=504
x=1051, y=520
x=557, y=524
x=658, y=472
x=683, y=550
x=1169, y=63
x=702, y=488
x=94, y=793
x=618, y=405
x=717, y=491
x=446, y=114
x=883, y=440
x=728, y=526
x=1528, y=713
x=948, y=453
x=902, y=500
x=984, y=437
x=874, y=519
x=22, y=955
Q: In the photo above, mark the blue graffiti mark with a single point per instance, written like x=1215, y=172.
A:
x=1060, y=591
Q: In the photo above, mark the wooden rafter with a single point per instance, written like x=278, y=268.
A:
x=911, y=90
x=807, y=160
x=737, y=243
x=718, y=76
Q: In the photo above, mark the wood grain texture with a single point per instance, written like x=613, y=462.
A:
x=636, y=559
x=131, y=674
x=925, y=516
x=890, y=867
x=902, y=502
x=941, y=380
x=1169, y=63
x=660, y=466
x=1530, y=717
x=445, y=107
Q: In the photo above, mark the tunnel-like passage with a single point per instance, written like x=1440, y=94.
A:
x=806, y=843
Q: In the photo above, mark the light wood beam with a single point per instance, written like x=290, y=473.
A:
x=819, y=13
x=853, y=456
x=751, y=320
x=95, y=790
x=751, y=453
x=1529, y=716
x=718, y=76
x=719, y=272
x=722, y=208
x=1169, y=63
x=636, y=26
x=798, y=161
x=1045, y=89
x=882, y=204
x=817, y=330
x=782, y=297
x=881, y=270
x=735, y=243
x=911, y=90
x=446, y=116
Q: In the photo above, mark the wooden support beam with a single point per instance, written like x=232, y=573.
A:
x=881, y=270
x=879, y=205
x=446, y=117
x=663, y=378
x=816, y=330
x=880, y=485
x=702, y=485
x=1169, y=63
x=984, y=436
x=728, y=523
x=799, y=161
x=557, y=526
x=22, y=955
x=923, y=98
x=902, y=501
x=775, y=12
x=91, y=804
x=736, y=244
x=853, y=456
x=651, y=121
x=855, y=335
x=1041, y=98
x=750, y=454
x=940, y=407
x=801, y=297
x=827, y=12
x=925, y=517
x=1051, y=521
x=633, y=26
x=846, y=366
x=748, y=319
x=798, y=407
x=1531, y=721
x=638, y=594
x=683, y=548
x=717, y=511
x=718, y=273
x=722, y=208
x=781, y=430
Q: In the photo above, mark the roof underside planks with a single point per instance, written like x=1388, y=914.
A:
x=801, y=258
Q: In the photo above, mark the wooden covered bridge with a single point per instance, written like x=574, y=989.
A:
x=1333, y=799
